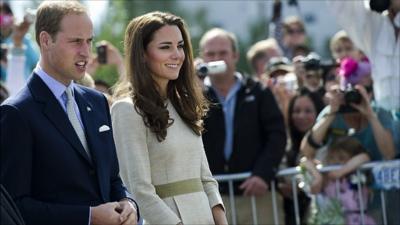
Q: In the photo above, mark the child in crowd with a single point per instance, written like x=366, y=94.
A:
x=342, y=46
x=339, y=202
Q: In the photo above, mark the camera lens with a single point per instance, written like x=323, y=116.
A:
x=352, y=96
x=202, y=69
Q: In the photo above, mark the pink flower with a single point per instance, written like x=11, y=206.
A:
x=348, y=66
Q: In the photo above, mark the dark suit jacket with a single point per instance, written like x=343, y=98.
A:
x=259, y=133
x=9, y=213
x=43, y=164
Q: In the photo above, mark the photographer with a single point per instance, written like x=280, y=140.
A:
x=369, y=124
x=377, y=35
x=358, y=118
x=18, y=54
x=244, y=129
x=107, y=54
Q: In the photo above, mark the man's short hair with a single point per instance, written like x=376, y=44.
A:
x=258, y=50
x=50, y=14
x=218, y=32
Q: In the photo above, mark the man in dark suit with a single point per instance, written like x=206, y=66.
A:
x=58, y=158
x=244, y=129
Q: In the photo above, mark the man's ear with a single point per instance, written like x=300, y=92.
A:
x=45, y=39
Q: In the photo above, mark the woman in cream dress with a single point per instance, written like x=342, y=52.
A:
x=157, y=122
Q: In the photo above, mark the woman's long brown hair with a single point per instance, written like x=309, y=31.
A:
x=184, y=93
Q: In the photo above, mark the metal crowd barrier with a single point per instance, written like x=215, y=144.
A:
x=292, y=172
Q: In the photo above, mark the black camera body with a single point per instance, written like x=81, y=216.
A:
x=101, y=53
x=351, y=95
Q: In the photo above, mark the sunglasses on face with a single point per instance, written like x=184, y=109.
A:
x=295, y=31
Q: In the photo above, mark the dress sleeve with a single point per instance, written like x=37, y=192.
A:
x=130, y=134
x=210, y=185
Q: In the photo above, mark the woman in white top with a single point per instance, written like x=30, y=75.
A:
x=157, y=122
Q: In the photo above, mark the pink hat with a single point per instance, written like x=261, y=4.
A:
x=352, y=71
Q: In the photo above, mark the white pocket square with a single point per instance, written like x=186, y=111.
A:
x=104, y=128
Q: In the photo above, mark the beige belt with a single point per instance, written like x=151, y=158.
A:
x=179, y=188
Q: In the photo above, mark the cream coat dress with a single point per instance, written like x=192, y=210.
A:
x=145, y=162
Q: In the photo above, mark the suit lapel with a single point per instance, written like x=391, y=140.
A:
x=55, y=113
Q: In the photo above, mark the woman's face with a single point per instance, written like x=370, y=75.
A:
x=294, y=35
x=304, y=114
x=312, y=80
x=164, y=55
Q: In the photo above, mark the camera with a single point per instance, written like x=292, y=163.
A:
x=215, y=67
x=352, y=96
x=101, y=49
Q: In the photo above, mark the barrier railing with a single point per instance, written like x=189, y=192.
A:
x=293, y=172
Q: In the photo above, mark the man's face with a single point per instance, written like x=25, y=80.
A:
x=65, y=56
x=262, y=62
x=220, y=48
x=294, y=35
x=312, y=79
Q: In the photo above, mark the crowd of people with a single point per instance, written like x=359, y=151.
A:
x=75, y=150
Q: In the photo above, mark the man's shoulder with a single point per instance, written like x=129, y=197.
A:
x=252, y=86
x=20, y=99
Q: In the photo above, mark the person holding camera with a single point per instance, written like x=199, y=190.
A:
x=377, y=34
x=106, y=54
x=18, y=52
x=351, y=113
x=244, y=128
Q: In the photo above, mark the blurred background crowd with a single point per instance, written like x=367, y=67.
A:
x=317, y=58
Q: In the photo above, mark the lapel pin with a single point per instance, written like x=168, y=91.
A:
x=88, y=109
